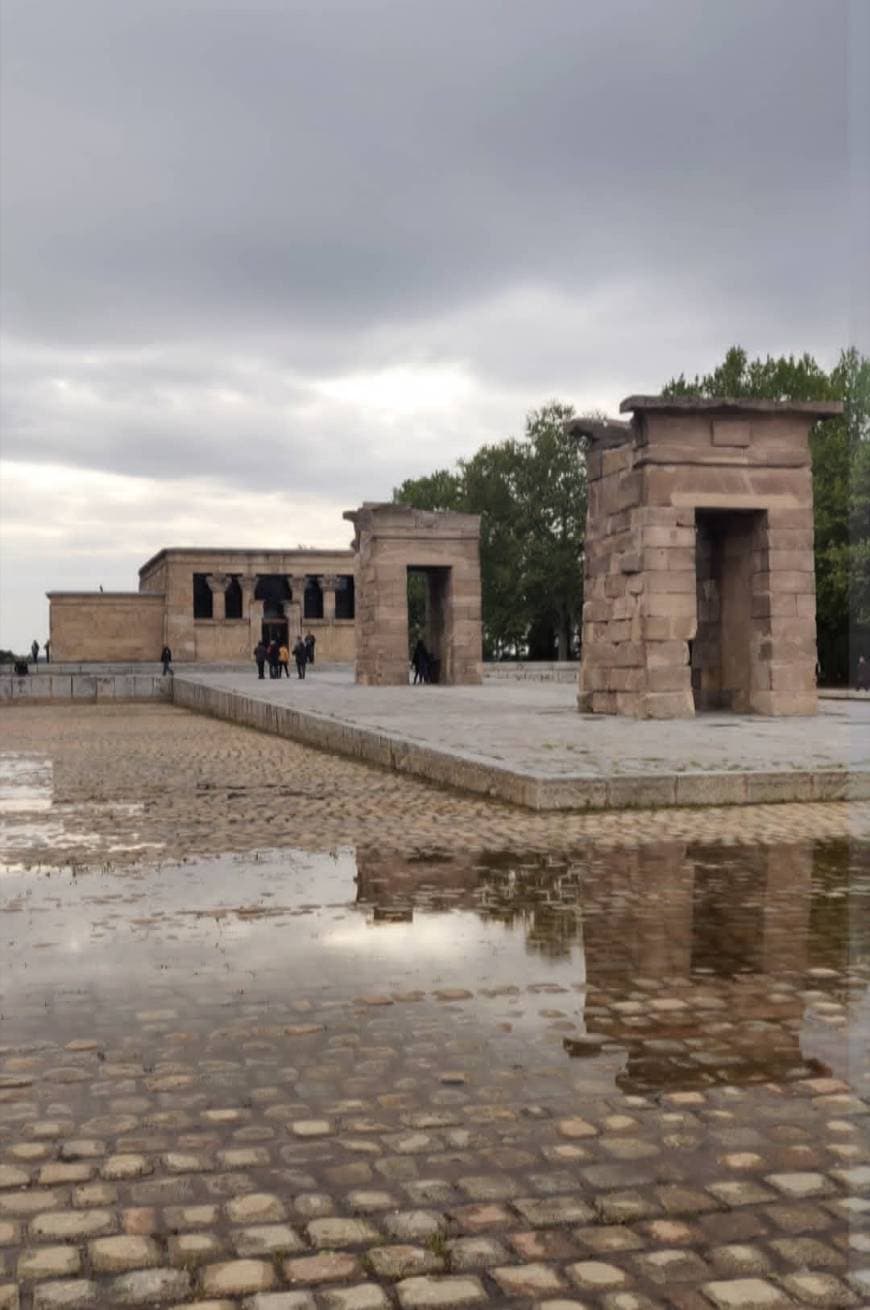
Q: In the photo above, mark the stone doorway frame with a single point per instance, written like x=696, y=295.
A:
x=390, y=540
x=648, y=481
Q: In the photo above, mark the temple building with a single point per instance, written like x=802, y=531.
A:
x=212, y=606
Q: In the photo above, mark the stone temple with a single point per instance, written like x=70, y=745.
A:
x=212, y=606
x=699, y=582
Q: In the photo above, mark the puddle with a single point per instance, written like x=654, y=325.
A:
x=667, y=966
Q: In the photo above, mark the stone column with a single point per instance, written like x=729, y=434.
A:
x=248, y=583
x=329, y=586
x=296, y=608
x=218, y=583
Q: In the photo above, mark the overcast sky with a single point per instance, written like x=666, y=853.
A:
x=263, y=259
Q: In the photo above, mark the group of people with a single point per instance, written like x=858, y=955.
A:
x=277, y=656
x=34, y=651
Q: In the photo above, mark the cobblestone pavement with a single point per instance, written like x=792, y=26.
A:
x=625, y=1066
x=534, y=727
x=116, y=783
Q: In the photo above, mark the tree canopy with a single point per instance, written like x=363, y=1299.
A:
x=531, y=494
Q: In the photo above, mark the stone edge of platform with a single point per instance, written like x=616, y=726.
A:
x=530, y=790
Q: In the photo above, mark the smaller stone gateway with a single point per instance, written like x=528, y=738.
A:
x=699, y=581
x=444, y=547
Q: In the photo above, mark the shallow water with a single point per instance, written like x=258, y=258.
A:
x=689, y=965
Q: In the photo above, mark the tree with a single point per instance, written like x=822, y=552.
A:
x=531, y=495
x=841, y=480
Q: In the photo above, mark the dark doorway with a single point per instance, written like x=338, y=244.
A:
x=428, y=590
x=233, y=599
x=722, y=650
x=275, y=630
x=313, y=600
x=203, y=604
x=345, y=604
x=273, y=589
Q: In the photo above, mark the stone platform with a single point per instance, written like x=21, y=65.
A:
x=525, y=743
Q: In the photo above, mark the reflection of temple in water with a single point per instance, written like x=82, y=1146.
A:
x=695, y=956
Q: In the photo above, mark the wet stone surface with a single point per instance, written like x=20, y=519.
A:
x=373, y=1075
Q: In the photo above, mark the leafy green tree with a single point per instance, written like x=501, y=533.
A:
x=841, y=480
x=531, y=495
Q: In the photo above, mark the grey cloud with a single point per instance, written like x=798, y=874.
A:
x=177, y=168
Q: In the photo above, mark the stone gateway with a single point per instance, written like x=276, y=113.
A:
x=699, y=583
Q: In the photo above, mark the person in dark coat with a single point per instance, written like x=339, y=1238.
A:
x=260, y=657
x=420, y=662
x=274, y=666
x=310, y=641
x=166, y=657
x=34, y=650
x=300, y=656
x=862, y=676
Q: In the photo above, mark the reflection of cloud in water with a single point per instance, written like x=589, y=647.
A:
x=39, y=823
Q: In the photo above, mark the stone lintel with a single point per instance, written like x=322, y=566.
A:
x=811, y=409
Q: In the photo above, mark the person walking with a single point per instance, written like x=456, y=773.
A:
x=274, y=670
x=283, y=659
x=862, y=675
x=300, y=656
x=310, y=641
x=260, y=657
x=34, y=650
x=166, y=657
x=46, y=646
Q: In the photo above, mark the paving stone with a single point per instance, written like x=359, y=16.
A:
x=366, y=1201
x=403, y=1260
x=327, y=1267
x=149, y=1287
x=27, y=1203
x=362, y=1296
x=9, y=1299
x=414, y=1225
x=671, y=1266
x=280, y=1301
x=574, y=1127
x=475, y=1218
x=48, y=1262
x=191, y=1216
x=799, y=1186
x=66, y=1294
x=475, y=1253
x=68, y=1224
x=341, y=1232
x=256, y=1207
x=527, y=1280
x=51, y=1175
x=625, y=1206
x=819, y=1289
x=125, y=1166
x=314, y=1205
x=94, y=1194
x=605, y=1237
x=236, y=1277
x=744, y=1294
x=597, y=1276
x=115, y=1255
x=807, y=1252
x=740, y=1192
x=737, y=1258
x=191, y=1249
x=10, y=1232
x=447, y=1291
x=267, y=1239
x=544, y=1211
